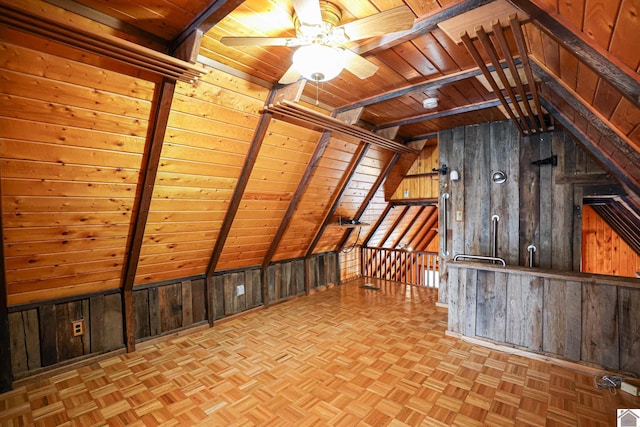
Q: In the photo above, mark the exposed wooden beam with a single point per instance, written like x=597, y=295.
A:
x=149, y=169
x=393, y=226
x=426, y=238
x=323, y=142
x=407, y=228
x=604, y=159
x=466, y=39
x=607, y=66
x=236, y=199
x=493, y=56
x=620, y=141
x=210, y=16
x=424, y=228
x=6, y=370
x=377, y=225
x=518, y=35
x=103, y=45
x=433, y=83
x=424, y=26
x=439, y=114
x=342, y=187
x=372, y=192
x=297, y=196
x=498, y=32
x=117, y=24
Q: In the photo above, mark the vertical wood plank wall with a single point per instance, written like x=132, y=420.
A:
x=603, y=251
x=536, y=205
x=41, y=333
x=573, y=316
x=421, y=182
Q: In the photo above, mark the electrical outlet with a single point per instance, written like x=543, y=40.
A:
x=458, y=215
x=77, y=328
x=406, y=194
x=239, y=290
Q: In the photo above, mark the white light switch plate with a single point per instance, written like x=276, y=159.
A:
x=240, y=290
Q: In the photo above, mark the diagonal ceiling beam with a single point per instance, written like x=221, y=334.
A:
x=426, y=238
x=607, y=66
x=323, y=142
x=372, y=192
x=434, y=83
x=377, y=225
x=241, y=186
x=439, y=114
x=393, y=227
x=349, y=172
x=149, y=169
x=210, y=16
x=408, y=227
x=624, y=155
x=424, y=26
x=97, y=16
x=605, y=160
x=297, y=196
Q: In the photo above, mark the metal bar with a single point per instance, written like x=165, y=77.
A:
x=480, y=257
x=531, y=249
x=445, y=196
x=494, y=248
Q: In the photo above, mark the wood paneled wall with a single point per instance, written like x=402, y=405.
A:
x=71, y=141
x=536, y=205
x=164, y=308
x=421, y=182
x=579, y=317
x=41, y=333
x=603, y=251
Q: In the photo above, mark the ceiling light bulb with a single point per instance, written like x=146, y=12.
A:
x=317, y=62
x=430, y=103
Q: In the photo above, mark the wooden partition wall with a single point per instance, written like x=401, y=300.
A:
x=580, y=317
x=539, y=203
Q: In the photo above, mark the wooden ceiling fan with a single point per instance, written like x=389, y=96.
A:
x=319, y=32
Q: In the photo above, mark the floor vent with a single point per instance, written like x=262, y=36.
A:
x=369, y=286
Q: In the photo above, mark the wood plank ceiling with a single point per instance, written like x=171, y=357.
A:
x=199, y=178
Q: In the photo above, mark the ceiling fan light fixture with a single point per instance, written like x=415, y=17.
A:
x=318, y=62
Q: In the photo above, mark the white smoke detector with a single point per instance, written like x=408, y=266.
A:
x=430, y=103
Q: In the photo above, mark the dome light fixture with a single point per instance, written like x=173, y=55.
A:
x=430, y=103
x=318, y=62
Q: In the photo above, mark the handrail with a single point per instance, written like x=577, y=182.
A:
x=484, y=258
x=531, y=249
x=494, y=249
x=445, y=196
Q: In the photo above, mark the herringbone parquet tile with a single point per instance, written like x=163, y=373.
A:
x=343, y=357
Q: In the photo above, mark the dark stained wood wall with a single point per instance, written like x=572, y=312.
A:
x=536, y=205
x=575, y=316
x=41, y=333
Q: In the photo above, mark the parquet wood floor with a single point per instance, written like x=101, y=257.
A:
x=345, y=356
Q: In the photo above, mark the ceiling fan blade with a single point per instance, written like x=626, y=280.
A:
x=390, y=21
x=308, y=11
x=290, y=76
x=359, y=66
x=259, y=41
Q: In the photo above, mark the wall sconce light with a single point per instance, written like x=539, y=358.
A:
x=454, y=176
x=499, y=177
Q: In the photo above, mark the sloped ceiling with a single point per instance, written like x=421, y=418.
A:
x=203, y=180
